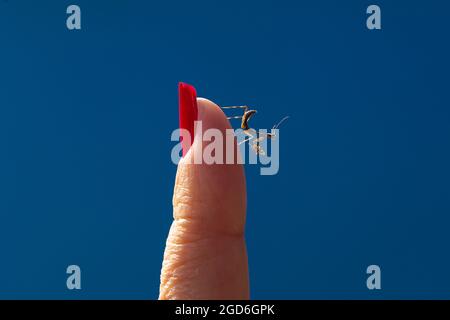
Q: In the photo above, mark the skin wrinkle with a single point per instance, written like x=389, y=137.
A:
x=177, y=272
x=182, y=258
x=183, y=266
x=187, y=197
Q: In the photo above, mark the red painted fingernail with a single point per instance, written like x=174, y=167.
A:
x=187, y=109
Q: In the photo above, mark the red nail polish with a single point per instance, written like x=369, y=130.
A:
x=187, y=109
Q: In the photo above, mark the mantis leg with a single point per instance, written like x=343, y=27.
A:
x=236, y=107
x=249, y=134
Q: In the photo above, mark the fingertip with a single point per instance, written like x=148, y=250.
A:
x=205, y=255
x=213, y=191
x=208, y=110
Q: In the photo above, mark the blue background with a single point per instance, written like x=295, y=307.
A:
x=86, y=118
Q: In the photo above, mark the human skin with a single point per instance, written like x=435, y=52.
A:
x=205, y=255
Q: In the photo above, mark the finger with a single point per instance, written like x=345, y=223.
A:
x=205, y=255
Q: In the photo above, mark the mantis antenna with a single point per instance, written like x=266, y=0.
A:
x=279, y=123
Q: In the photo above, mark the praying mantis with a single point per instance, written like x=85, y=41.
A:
x=254, y=138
